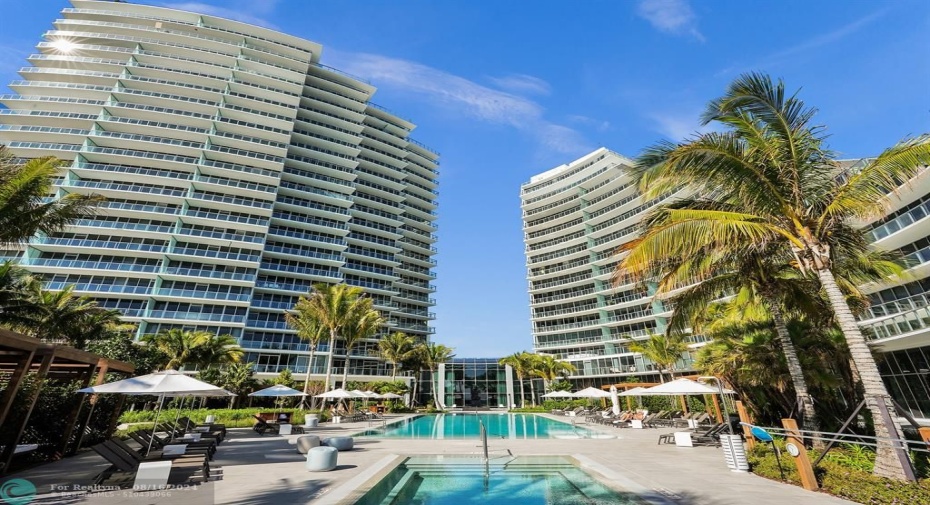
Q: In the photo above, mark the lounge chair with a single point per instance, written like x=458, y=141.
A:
x=123, y=468
x=711, y=436
x=117, y=445
x=261, y=426
x=145, y=438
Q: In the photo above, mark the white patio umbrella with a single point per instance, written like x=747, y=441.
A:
x=279, y=390
x=391, y=396
x=637, y=391
x=558, y=394
x=614, y=401
x=591, y=393
x=170, y=383
x=337, y=394
x=682, y=387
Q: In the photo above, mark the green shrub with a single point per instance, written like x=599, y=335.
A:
x=232, y=418
x=844, y=472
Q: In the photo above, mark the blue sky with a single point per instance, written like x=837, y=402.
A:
x=505, y=90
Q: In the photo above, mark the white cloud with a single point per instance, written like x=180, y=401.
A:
x=522, y=83
x=597, y=124
x=670, y=16
x=247, y=11
x=806, y=47
x=679, y=124
x=463, y=96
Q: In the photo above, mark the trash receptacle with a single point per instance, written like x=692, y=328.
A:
x=735, y=452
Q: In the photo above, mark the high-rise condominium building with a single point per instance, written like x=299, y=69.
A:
x=576, y=216
x=238, y=170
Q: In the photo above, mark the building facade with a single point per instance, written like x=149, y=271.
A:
x=476, y=383
x=576, y=216
x=237, y=169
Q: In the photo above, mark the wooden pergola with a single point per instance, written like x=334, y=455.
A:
x=21, y=356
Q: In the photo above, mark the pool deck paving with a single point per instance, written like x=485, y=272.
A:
x=252, y=469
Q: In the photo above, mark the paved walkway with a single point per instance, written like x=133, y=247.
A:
x=256, y=469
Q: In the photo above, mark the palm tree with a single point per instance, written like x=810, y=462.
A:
x=395, y=348
x=179, y=346
x=549, y=369
x=435, y=355
x=238, y=378
x=770, y=179
x=24, y=208
x=62, y=316
x=365, y=327
x=522, y=364
x=335, y=306
x=308, y=328
x=15, y=294
x=767, y=287
x=217, y=350
x=662, y=350
x=415, y=362
x=746, y=354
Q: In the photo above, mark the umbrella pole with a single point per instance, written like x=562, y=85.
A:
x=161, y=399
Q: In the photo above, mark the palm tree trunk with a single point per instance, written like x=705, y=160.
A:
x=345, y=372
x=522, y=393
x=309, y=371
x=394, y=373
x=804, y=401
x=413, y=392
x=434, y=385
x=329, y=361
x=887, y=463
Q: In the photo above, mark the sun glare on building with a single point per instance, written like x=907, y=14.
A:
x=64, y=45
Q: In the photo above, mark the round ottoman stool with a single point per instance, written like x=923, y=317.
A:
x=306, y=442
x=322, y=459
x=340, y=443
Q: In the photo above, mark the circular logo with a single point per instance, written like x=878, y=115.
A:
x=17, y=492
x=792, y=449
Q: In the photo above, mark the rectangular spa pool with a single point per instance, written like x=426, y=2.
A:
x=527, y=480
x=499, y=425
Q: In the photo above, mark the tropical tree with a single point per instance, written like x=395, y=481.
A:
x=662, y=350
x=198, y=348
x=767, y=288
x=770, y=179
x=395, y=348
x=435, y=355
x=217, y=350
x=63, y=316
x=522, y=364
x=16, y=289
x=747, y=355
x=335, y=306
x=308, y=328
x=366, y=326
x=415, y=363
x=238, y=378
x=24, y=207
x=549, y=369
x=122, y=346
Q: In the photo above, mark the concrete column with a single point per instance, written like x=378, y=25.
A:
x=508, y=374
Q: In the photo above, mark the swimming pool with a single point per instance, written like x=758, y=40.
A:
x=527, y=480
x=499, y=425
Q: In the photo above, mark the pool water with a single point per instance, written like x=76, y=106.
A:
x=526, y=480
x=499, y=425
